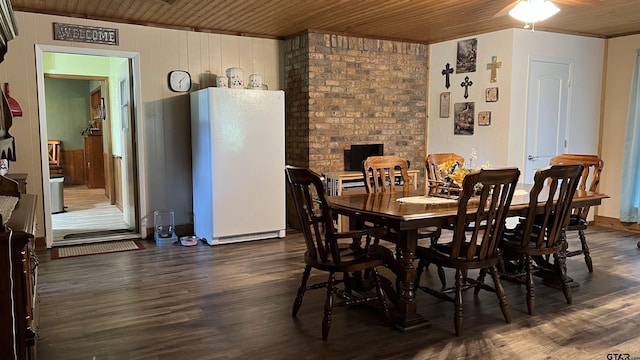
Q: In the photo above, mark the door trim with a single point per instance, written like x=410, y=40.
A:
x=139, y=134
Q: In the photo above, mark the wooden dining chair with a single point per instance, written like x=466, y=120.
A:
x=325, y=252
x=473, y=247
x=589, y=181
x=380, y=174
x=53, y=149
x=435, y=176
x=439, y=186
x=539, y=235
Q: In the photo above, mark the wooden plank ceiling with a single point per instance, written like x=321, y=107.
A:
x=425, y=21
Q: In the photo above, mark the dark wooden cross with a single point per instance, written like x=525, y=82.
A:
x=448, y=70
x=494, y=65
x=465, y=84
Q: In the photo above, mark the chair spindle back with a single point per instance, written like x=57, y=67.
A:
x=380, y=173
x=433, y=162
x=495, y=188
x=589, y=178
x=314, y=214
x=555, y=186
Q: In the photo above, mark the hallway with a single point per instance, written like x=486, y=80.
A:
x=88, y=211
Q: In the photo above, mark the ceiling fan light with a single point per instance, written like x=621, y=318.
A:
x=531, y=11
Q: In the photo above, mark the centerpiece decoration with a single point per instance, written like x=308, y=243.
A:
x=453, y=173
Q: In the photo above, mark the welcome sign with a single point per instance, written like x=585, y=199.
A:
x=86, y=34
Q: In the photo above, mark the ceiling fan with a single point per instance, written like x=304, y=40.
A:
x=532, y=11
x=506, y=9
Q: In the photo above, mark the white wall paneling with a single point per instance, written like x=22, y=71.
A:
x=163, y=115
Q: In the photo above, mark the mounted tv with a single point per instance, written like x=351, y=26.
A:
x=359, y=153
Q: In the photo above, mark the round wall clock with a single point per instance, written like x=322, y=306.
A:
x=179, y=81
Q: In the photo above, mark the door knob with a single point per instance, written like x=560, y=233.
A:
x=532, y=158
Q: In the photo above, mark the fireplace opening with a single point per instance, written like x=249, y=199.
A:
x=354, y=156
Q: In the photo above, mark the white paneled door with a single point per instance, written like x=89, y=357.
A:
x=547, y=112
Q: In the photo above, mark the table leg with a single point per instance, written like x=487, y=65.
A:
x=406, y=317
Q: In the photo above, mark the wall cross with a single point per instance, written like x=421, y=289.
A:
x=494, y=65
x=448, y=70
x=465, y=84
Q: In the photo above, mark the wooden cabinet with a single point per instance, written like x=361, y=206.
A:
x=93, y=161
x=18, y=282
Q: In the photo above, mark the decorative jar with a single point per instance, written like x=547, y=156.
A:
x=222, y=81
x=236, y=77
x=255, y=81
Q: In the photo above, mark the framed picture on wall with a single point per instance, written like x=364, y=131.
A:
x=484, y=118
x=491, y=94
x=445, y=104
x=463, y=118
x=466, y=56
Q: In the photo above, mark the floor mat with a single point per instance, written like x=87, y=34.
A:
x=93, y=249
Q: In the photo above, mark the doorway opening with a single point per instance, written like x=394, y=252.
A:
x=87, y=103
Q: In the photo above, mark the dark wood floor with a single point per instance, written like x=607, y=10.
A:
x=234, y=302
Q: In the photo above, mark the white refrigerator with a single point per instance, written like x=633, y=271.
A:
x=237, y=139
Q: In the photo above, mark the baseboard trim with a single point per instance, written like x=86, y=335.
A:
x=616, y=224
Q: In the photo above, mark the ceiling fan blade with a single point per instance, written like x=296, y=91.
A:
x=505, y=10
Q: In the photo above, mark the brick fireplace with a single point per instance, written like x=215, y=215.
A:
x=343, y=90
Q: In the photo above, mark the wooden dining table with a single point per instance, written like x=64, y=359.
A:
x=417, y=210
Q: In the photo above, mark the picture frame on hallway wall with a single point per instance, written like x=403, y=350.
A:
x=445, y=104
x=484, y=118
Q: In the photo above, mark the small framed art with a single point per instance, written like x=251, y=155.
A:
x=445, y=104
x=463, y=114
x=484, y=118
x=466, y=57
x=491, y=94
